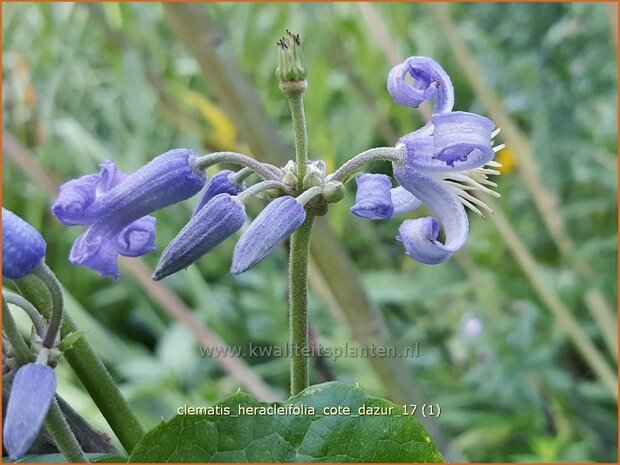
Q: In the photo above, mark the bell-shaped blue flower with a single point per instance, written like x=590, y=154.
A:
x=32, y=392
x=272, y=226
x=23, y=247
x=444, y=161
x=221, y=183
x=418, y=79
x=116, y=206
x=221, y=217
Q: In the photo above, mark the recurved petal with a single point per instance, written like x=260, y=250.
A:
x=462, y=139
x=23, y=247
x=420, y=236
x=109, y=176
x=403, y=201
x=373, y=200
x=218, y=184
x=137, y=239
x=274, y=224
x=418, y=79
x=218, y=219
x=74, y=198
x=455, y=141
x=32, y=392
x=95, y=249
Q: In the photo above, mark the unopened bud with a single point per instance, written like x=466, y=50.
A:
x=333, y=191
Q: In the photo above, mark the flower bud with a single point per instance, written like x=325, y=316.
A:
x=23, y=247
x=274, y=224
x=333, y=191
x=221, y=217
x=31, y=395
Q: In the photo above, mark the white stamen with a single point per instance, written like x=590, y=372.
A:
x=495, y=132
x=499, y=147
x=471, y=207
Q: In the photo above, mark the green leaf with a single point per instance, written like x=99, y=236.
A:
x=234, y=435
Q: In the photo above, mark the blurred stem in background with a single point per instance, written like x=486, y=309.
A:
x=543, y=199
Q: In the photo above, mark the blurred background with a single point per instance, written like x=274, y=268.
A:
x=517, y=334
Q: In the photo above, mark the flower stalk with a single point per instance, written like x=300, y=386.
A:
x=23, y=354
x=48, y=278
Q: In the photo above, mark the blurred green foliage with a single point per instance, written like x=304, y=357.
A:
x=82, y=83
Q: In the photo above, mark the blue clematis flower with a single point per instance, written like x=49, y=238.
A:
x=31, y=395
x=444, y=162
x=221, y=217
x=273, y=225
x=23, y=247
x=116, y=207
x=441, y=165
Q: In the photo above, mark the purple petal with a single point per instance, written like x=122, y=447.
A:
x=167, y=179
x=429, y=80
x=218, y=219
x=419, y=236
x=78, y=194
x=31, y=395
x=74, y=199
x=373, y=200
x=462, y=140
x=274, y=224
x=403, y=201
x=455, y=141
x=137, y=239
x=109, y=176
x=23, y=247
x=218, y=184
x=95, y=249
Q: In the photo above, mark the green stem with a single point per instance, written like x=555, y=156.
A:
x=48, y=278
x=298, y=305
x=89, y=369
x=296, y=104
x=65, y=440
x=37, y=320
x=23, y=354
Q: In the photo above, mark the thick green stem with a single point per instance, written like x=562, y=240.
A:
x=298, y=305
x=23, y=354
x=65, y=440
x=89, y=369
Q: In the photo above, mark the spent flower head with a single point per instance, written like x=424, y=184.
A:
x=290, y=59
